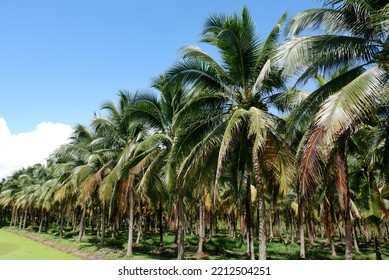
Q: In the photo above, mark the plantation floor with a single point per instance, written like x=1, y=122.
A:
x=220, y=247
x=15, y=247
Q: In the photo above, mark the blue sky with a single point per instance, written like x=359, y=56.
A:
x=59, y=60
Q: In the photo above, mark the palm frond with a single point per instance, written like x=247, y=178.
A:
x=196, y=72
x=259, y=124
x=328, y=20
x=351, y=104
x=310, y=168
x=270, y=45
x=328, y=52
x=235, y=123
x=303, y=114
x=196, y=52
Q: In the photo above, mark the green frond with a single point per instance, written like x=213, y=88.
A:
x=328, y=52
x=147, y=110
x=301, y=117
x=112, y=109
x=196, y=53
x=213, y=25
x=270, y=45
x=351, y=104
x=354, y=210
x=289, y=100
x=108, y=184
x=380, y=20
x=154, y=140
x=200, y=104
x=194, y=161
x=258, y=126
x=262, y=77
x=235, y=123
x=282, y=162
x=152, y=170
x=328, y=20
x=196, y=72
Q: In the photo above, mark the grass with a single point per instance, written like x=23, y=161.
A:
x=15, y=247
x=219, y=247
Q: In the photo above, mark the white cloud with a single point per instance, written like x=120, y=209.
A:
x=25, y=149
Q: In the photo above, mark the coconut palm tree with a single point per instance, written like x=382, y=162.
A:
x=158, y=147
x=123, y=135
x=246, y=77
x=176, y=122
x=81, y=167
x=353, y=34
x=369, y=147
x=78, y=156
x=10, y=188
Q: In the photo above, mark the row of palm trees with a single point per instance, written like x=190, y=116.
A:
x=211, y=144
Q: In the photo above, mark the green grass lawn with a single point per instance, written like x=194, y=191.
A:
x=15, y=247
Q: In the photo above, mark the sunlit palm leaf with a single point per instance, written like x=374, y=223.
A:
x=330, y=52
x=352, y=103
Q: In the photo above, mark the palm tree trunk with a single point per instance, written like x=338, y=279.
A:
x=271, y=233
x=32, y=220
x=301, y=220
x=309, y=230
x=361, y=232
x=261, y=209
x=181, y=225
x=279, y=225
x=13, y=216
x=82, y=225
x=355, y=239
x=229, y=226
x=25, y=219
x=262, y=225
x=233, y=225
x=130, y=222
x=74, y=220
x=292, y=228
x=139, y=222
x=92, y=218
x=41, y=220
x=21, y=219
x=47, y=220
x=377, y=245
x=342, y=184
x=249, y=221
x=211, y=222
x=160, y=218
x=102, y=225
x=333, y=248
x=331, y=224
x=61, y=221
x=201, y=226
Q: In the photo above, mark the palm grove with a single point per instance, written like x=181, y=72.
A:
x=205, y=153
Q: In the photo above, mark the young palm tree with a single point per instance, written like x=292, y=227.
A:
x=246, y=77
